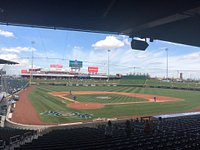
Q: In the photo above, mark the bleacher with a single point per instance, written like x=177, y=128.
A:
x=179, y=133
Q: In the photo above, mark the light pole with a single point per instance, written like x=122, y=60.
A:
x=32, y=42
x=166, y=63
x=31, y=76
x=134, y=70
x=108, y=64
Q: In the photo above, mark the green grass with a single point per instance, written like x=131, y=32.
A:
x=140, y=82
x=112, y=98
x=45, y=102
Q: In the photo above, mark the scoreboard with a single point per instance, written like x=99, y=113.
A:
x=75, y=64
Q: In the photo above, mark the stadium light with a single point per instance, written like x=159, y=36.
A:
x=108, y=64
x=166, y=49
x=32, y=42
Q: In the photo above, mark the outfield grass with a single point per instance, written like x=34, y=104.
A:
x=153, y=82
x=112, y=98
x=138, y=82
x=45, y=102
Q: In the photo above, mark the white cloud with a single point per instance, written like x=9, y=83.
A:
x=8, y=56
x=14, y=69
x=6, y=33
x=122, y=60
x=192, y=56
x=77, y=47
x=15, y=58
x=17, y=49
x=110, y=42
x=126, y=41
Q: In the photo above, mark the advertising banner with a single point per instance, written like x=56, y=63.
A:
x=93, y=69
x=56, y=66
x=24, y=71
x=35, y=69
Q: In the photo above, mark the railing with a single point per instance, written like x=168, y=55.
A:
x=2, y=144
x=14, y=139
x=2, y=120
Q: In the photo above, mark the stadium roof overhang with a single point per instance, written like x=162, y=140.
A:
x=2, y=61
x=175, y=21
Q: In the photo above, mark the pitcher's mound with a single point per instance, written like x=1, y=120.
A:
x=86, y=105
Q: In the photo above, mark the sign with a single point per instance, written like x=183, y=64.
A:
x=24, y=71
x=93, y=69
x=35, y=69
x=56, y=66
x=75, y=64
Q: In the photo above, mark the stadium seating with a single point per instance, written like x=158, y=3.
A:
x=10, y=85
x=180, y=133
x=10, y=136
x=13, y=85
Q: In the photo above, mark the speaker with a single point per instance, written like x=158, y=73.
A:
x=139, y=45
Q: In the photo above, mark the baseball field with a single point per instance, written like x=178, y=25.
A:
x=46, y=104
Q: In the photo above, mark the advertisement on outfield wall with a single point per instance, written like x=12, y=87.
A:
x=75, y=64
x=93, y=69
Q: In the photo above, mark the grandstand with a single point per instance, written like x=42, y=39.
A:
x=58, y=74
x=177, y=133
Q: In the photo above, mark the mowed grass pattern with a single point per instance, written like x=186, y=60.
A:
x=141, y=82
x=42, y=101
x=112, y=98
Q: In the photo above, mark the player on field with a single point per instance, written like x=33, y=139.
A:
x=154, y=98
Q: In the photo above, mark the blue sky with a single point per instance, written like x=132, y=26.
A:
x=60, y=46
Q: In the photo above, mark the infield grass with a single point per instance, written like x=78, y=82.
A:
x=102, y=98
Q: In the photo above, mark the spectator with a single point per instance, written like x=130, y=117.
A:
x=128, y=128
x=147, y=127
x=158, y=125
x=132, y=125
x=137, y=120
x=109, y=130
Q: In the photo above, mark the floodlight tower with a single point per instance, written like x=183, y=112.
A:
x=108, y=64
x=31, y=76
x=166, y=49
